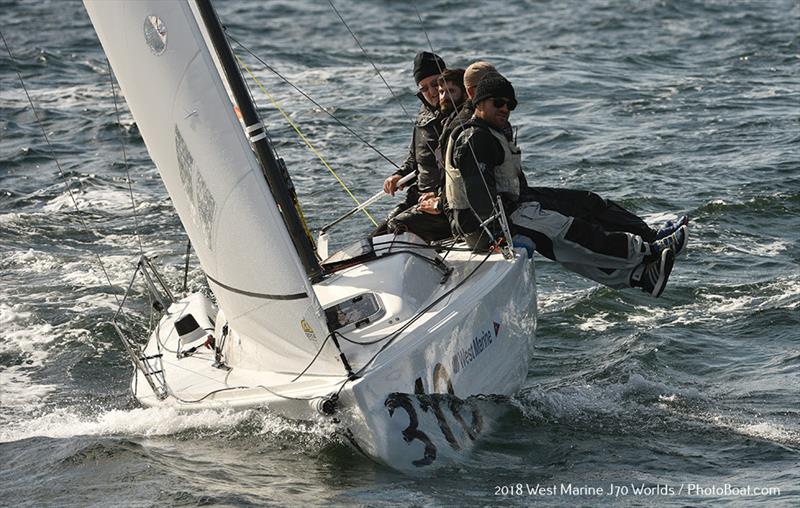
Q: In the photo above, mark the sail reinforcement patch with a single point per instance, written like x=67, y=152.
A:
x=155, y=34
x=199, y=197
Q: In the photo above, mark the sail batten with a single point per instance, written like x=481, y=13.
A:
x=178, y=98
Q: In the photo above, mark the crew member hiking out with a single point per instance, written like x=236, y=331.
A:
x=586, y=205
x=482, y=163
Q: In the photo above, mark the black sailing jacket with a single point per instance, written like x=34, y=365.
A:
x=476, y=152
x=422, y=153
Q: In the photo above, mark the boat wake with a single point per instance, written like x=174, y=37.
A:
x=460, y=429
x=135, y=423
x=641, y=406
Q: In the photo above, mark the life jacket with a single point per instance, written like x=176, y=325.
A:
x=506, y=174
x=454, y=189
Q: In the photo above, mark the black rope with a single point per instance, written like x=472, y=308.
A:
x=293, y=296
x=394, y=95
x=58, y=164
x=317, y=104
x=125, y=159
x=313, y=359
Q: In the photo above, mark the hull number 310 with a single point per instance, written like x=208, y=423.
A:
x=439, y=405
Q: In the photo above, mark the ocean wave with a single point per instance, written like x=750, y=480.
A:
x=640, y=403
x=585, y=403
x=24, y=341
x=153, y=422
x=754, y=206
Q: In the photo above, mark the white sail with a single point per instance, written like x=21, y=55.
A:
x=189, y=124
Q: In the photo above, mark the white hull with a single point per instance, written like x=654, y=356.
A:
x=473, y=342
x=400, y=325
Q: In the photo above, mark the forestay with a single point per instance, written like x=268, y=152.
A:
x=193, y=135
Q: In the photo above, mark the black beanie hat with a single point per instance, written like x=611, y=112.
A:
x=494, y=84
x=427, y=64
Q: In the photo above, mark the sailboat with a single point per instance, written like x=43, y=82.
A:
x=389, y=339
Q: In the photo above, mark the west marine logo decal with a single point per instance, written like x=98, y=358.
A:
x=464, y=357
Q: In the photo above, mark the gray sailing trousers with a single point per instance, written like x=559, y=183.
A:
x=580, y=246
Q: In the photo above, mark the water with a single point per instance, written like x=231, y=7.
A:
x=668, y=107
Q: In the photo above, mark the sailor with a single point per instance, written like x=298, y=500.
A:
x=482, y=162
x=424, y=156
x=472, y=75
x=577, y=203
x=573, y=202
x=452, y=98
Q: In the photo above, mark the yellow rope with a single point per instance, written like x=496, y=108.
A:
x=305, y=140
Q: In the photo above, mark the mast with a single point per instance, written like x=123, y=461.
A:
x=256, y=133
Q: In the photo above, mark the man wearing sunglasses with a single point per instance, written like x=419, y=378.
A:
x=576, y=203
x=463, y=113
x=424, y=156
x=472, y=76
x=482, y=162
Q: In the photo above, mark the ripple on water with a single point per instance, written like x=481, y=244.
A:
x=665, y=107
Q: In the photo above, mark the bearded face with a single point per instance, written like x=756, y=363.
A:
x=450, y=97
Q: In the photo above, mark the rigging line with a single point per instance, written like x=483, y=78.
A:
x=460, y=121
x=394, y=95
x=419, y=246
x=302, y=136
x=58, y=164
x=430, y=45
x=243, y=387
x=229, y=388
x=279, y=160
x=186, y=266
x=393, y=336
x=317, y=104
x=292, y=191
x=125, y=159
x=313, y=359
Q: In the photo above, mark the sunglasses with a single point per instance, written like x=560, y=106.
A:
x=499, y=103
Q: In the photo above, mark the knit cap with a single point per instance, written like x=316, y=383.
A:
x=494, y=85
x=427, y=64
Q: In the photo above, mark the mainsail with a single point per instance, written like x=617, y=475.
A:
x=189, y=124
